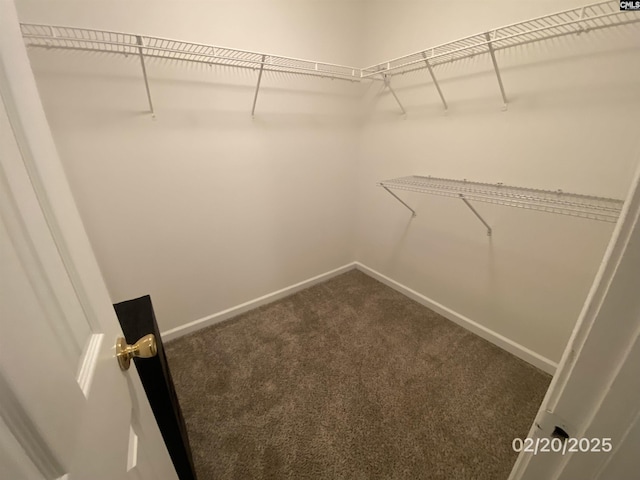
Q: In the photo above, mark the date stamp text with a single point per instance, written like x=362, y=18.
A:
x=563, y=446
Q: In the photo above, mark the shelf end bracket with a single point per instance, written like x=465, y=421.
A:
x=475, y=212
x=413, y=212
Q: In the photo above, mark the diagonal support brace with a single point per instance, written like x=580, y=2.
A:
x=255, y=96
x=435, y=81
x=413, y=212
x=144, y=73
x=495, y=67
x=489, y=231
x=387, y=84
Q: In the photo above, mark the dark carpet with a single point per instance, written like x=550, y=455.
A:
x=349, y=379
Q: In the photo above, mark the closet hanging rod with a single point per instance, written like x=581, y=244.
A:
x=209, y=63
x=520, y=194
x=73, y=38
x=604, y=14
x=416, y=64
x=594, y=16
x=500, y=192
x=590, y=17
x=572, y=204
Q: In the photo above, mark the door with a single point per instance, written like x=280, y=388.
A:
x=595, y=394
x=67, y=411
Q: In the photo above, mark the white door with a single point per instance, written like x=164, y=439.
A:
x=66, y=409
x=595, y=394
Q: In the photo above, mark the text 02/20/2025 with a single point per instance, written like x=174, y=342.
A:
x=560, y=445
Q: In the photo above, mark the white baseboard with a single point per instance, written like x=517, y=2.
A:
x=251, y=304
x=501, y=341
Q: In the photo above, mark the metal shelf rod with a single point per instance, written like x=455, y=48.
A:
x=255, y=64
x=379, y=68
x=203, y=62
x=469, y=186
x=278, y=67
x=533, y=205
x=594, y=16
x=480, y=44
x=163, y=39
x=514, y=197
x=575, y=205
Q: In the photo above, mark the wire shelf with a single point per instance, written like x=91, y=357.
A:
x=569, y=22
x=576, y=205
x=72, y=38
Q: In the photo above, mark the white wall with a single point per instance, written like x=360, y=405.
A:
x=205, y=208
x=568, y=126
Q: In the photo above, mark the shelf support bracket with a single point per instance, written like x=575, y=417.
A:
x=495, y=67
x=255, y=96
x=144, y=73
x=413, y=212
x=475, y=212
x=435, y=81
x=387, y=84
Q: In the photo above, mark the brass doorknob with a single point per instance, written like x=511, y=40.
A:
x=144, y=348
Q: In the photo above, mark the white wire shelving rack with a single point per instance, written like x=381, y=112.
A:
x=143, y=46
x=577, y=21
x=563, y=203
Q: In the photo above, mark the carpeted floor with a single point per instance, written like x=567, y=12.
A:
x=351, y=380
